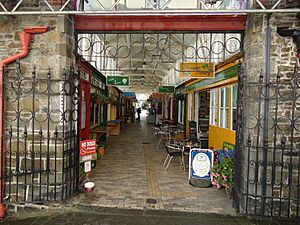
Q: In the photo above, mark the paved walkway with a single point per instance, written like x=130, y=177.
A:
x=131, y=175
x=113, y=216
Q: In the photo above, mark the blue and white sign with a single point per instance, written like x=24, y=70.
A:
x=129, y=94
x=201, y=161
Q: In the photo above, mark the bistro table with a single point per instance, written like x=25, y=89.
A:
x=100, y=130
x=186, y=148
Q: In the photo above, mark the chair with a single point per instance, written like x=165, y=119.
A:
x=172, y=151
x=163, y=136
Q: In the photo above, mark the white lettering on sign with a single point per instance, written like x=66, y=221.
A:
x=96, y=82
x=87, y=147
x=87, y=158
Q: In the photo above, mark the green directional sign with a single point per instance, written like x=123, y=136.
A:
x=166, y=89
x=117, y=80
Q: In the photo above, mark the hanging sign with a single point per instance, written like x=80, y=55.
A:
x=117, y=80
x=129, y=94
x=197, y=70
x=97, y=83
x=87, y=147
x=166, y=89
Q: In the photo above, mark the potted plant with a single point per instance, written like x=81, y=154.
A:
x=223, y=175
x=101, y=145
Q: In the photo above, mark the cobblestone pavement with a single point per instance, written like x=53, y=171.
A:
x=131, y=175
x=132, y=188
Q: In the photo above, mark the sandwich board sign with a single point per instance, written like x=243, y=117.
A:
x=200, y=163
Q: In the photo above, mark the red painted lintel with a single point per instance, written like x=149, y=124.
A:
x=161, y=23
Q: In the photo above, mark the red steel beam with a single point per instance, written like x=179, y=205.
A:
x=161, y=23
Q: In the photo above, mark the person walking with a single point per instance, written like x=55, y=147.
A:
x=138, y=111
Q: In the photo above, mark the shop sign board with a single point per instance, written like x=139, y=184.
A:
x=97, y=83
x=166, y=89
x=129, y=94
x=117, y=80
x=201, y=161
x=87, y=147
x=197, y=70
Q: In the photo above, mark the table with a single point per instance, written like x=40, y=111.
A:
x=100, y=130
x=186, y=148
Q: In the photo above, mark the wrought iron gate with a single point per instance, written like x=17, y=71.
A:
x=42, y=156
x=267, y=161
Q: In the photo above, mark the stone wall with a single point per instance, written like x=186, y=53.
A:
x=36, y=163
x=270, y=158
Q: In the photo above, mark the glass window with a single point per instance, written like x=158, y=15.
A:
x=234, y=107
x=190, y=102
x=224, y=108
x=214, y=105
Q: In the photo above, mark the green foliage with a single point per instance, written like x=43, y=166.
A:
x=223, y=173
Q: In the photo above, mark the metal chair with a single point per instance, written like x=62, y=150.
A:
x=172, y=151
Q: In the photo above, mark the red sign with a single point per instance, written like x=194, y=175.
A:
x=87, y=147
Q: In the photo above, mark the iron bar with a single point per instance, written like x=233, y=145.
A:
x=266, y=118
x=17, y=155
x=283, y=141
x=55, y=164
x=25, y=163
x=33, y=133
x=48, y=130
x=294, y=100
x=193, y=12
x=275, y=140
x=10, y=177
x=40, y=161
x=63, y=93
x=260, y=87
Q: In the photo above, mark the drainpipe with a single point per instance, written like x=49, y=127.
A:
x=25, y=39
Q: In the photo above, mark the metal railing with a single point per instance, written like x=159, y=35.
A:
x=142, y=7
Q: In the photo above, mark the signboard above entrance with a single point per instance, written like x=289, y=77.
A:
x=117, y=80
x=166, y=89
x=129, y=94
x=197, y=70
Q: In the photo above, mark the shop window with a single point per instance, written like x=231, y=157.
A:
x=181, y=112
x=224, y=107
x=214, y=105
x=234, y=107
x=190, y=106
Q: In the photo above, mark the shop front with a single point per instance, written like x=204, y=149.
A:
x=212, y=104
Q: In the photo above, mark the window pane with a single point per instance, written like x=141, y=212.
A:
x=216, y=98
x=221, y=117
x=222, y=97
x=227, y=96
x=234, y=96
x=216, y=117
x=226, y=118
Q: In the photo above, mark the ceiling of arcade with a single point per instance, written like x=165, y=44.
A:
x=154, y=59
x=150, y=58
